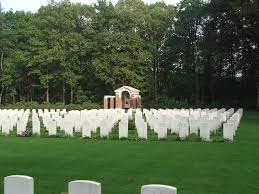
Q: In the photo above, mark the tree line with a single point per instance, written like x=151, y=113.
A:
x=195, y=53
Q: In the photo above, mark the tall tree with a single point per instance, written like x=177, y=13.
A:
x=5, y=50
x=184, y=53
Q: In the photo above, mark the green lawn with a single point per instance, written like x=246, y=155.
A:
x=123, y=166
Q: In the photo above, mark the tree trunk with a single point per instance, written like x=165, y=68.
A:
x=2, y=71
x=71, y=95
x=13, y=96
x=19, y=94
x=47, y=95
x=155, y=83
x=31, y=94
x=28, y=97
x=63, y=93
x=197, y=88
x=1, y=94
x=1, y=61
x=155, y=68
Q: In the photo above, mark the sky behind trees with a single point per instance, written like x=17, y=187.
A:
x=34, y=5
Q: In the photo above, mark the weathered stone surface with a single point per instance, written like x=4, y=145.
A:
x=18, y=184
x=84, y=187
x=158, y=189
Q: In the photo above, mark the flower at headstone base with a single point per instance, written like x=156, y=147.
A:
x=26, y=133
x=178, y=138
x=86, y=137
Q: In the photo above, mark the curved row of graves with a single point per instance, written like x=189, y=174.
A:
x=20, y=184
x=163, y=122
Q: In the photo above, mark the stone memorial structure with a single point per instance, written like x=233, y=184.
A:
x=126, y=97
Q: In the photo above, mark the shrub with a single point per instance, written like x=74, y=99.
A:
x=35, y=105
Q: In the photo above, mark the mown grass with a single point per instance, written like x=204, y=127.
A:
x=122, y=166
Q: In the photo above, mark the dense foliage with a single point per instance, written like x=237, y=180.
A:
x=196, y=53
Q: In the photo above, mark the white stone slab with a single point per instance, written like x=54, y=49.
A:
x=142, y=130
x=123, y=129
x=162, y=131
x=104, y=129
x=52, y=128
x=84, y=187
x=6, y=127
x=205, y=131
x=78, y=126
x=228, y=131
x=18, y=184
x=158, y=189
x=86, y=129
x=194, y=127
x=36, y=127
x=183, y=130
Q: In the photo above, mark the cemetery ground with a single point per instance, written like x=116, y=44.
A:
x=123, y=166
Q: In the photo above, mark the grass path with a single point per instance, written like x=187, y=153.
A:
x=123, y=166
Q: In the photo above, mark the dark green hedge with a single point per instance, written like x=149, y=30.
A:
x=35, y=105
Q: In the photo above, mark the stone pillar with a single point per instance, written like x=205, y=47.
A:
x=118, y=101
x=112, y=103
x=133, y=103
x=105, y=102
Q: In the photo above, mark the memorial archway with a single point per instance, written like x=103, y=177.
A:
x=125, y=97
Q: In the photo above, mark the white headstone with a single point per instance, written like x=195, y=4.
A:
x=183, y=130
x=52, y=128
x=68, y=127
x=86, y=130
x=123, y=129
x=84, y=187
x=36, y=127
x=18, y=184
x=78, y=125
x=194, y=127
x=228, y=131
x=104, y=130
x=158, y=189
x=162, y=132
x=6, y=127
x=205, y=131
x=142, y=130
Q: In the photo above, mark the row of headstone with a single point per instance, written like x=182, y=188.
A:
x=182, y=122
x=20, y=184
x=85, y=121
x=9, y=119
x=187, y=121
